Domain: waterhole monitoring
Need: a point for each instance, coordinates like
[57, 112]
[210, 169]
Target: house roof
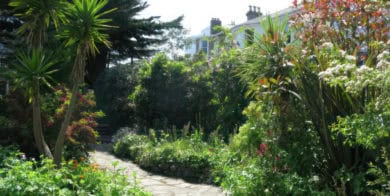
[282, 13]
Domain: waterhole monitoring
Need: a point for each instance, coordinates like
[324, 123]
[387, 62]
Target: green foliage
[188, 157]
[81, 133]
[112, 89]
[251, 176]
[250, 134]
[134, 36]
[381, 173]
[22, 176]
[37, 16]
[167, 94]
[228, 92]
[175, 93]
[84, 25]
[31, 69]
[370, 129]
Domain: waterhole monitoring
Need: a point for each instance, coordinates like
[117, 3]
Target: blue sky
[198, 13]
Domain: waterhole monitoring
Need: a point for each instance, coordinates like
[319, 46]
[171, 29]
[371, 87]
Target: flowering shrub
[81, 131]
[343, 72]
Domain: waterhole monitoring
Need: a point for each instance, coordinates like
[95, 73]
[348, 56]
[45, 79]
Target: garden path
[157, 185]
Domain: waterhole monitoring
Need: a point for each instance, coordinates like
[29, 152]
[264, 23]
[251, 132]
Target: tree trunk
[43, 148]
[61, 135]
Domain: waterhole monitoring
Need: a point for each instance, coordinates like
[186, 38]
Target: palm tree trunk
[61, 135]
[43, 148]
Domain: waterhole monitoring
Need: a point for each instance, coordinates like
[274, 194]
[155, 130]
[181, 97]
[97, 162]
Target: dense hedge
[185, 158]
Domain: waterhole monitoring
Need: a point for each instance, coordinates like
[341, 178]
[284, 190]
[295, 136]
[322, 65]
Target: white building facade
[243, 33]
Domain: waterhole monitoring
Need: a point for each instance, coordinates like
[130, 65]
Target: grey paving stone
[157, 185]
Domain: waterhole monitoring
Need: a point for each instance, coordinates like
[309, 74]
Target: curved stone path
[157, 185]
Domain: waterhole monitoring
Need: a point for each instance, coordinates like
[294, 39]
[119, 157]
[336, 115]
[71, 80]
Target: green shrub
[189, 157]
[112, 88]
[22, 176]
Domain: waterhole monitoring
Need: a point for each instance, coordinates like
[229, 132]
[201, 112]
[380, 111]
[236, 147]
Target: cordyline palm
[83, 28]
[37, 16]
[29, 71]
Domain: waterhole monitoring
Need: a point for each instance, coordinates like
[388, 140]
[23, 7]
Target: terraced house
[243, 33]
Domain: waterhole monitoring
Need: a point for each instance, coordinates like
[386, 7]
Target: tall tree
[134, 38]
[83, 29]
[37, 16]
[30, 71]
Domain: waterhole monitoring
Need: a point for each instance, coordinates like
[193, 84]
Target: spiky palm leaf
[31, 69]
[84, 27]
[37, 16]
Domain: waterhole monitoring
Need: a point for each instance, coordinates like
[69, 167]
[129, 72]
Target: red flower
[277, 157]
[49, 123]
[262, 150]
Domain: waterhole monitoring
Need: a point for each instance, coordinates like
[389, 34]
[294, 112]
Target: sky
[198, 13]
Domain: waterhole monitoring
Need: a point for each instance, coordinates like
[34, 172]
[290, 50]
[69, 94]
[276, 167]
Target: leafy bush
[162, 95]
[112, 89]
[22, 176]
[189, 158]
[250, 176]
[81, 131]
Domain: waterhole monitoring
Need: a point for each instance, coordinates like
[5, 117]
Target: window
[204, 46]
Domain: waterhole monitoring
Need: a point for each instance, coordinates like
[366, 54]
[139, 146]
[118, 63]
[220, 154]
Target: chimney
[253, 12]
[213, 23]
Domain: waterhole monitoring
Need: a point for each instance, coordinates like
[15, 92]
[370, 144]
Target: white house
[243, 33]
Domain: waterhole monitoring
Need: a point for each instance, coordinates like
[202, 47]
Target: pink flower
[262, 150]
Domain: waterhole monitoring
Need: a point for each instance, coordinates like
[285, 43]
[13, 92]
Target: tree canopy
[133, 37]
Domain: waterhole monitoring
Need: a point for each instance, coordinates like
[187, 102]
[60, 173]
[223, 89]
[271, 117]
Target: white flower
[383, 64]
[327, 45]
[338, 69]
[383, 55]
[325, 74]
[342, 52]
[343, 78]
[350, 58]
[349, 67]
[369, 8]
[363, 69]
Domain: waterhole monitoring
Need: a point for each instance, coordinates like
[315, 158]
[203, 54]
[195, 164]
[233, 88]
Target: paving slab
[156, 184]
